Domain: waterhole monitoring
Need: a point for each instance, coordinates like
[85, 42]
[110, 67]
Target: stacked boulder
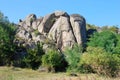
[63, 29]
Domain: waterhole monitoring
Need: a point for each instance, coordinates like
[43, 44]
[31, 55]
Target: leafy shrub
[53, 60]
[33, 57]
[72, 56]
[7, 48]
[105, 39]
[116, 50]
[99, 61]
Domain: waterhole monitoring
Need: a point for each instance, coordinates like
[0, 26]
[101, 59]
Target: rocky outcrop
[62, 29]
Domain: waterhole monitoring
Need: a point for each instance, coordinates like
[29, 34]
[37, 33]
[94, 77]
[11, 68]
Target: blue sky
[98, 12]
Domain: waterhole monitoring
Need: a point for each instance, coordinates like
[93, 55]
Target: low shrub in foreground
[97, 60]
[72, 57]
[53, 60]
[33, 57]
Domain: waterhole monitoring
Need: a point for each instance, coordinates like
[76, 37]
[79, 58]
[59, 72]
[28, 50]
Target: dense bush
[97, 60]
[7, 48]
[105, 39]
[33, 57]
[116, 49]
[53, 60]
[72, 56]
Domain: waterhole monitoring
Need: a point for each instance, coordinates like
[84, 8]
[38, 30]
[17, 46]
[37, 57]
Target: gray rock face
[60, 28]
[61, 13]
[46, 23]
[78, 24]
[29, 19]
[61, 32]
[36, 23]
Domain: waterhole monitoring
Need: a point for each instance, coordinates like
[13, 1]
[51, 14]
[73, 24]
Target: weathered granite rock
[57, 28]
[36, 23]
[60, 13]
[78, 24]
[29, 19]
[61, 33]
[46, 23]
[23, 35]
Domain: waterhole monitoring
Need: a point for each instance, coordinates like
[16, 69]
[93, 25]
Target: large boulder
[49, 20]
[61, 33]
[60, 13]
[29, 19]
[28, 22]
[22, 34]
[36, 23]
[46, 23]
[79, 28]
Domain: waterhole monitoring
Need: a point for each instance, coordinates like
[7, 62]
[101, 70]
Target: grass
[10, 73]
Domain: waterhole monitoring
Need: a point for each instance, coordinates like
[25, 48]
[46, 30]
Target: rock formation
[62, 29]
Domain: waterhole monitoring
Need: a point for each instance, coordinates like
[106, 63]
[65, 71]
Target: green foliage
[52, 60]
[72, 56]
[7, 48]
[117, 48]
[33, 57]
[113, 29]
[105, 39]
[97, 60]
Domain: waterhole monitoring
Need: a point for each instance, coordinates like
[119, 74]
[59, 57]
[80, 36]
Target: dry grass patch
[10, 73]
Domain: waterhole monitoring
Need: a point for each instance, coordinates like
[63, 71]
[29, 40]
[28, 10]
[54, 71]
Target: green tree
[33, 57]
[7, 48]
[116, 50]
[105, 39]
[53, 60]
[72, 56]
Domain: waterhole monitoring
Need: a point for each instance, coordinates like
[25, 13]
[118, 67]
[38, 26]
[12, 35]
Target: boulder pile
[62, 29]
